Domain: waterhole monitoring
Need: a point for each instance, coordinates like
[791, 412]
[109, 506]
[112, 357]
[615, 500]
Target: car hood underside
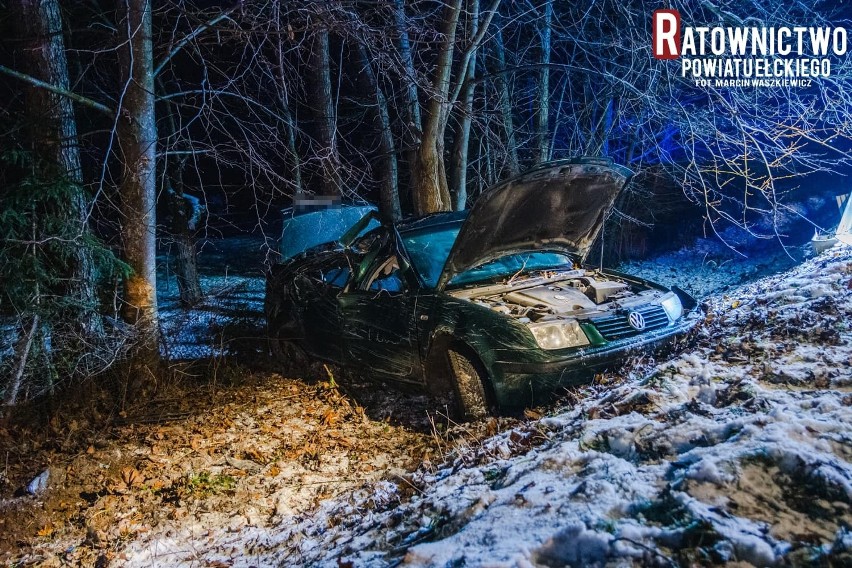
[558, 207]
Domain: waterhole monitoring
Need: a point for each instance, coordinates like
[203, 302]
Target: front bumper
[524, 383]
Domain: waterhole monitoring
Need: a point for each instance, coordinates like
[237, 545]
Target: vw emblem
[636, 321]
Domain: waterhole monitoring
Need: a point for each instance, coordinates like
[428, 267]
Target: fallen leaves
[532, 414]
[128, 479]
[329, 417]
[255, 455]
[132, 476]
[281, 447]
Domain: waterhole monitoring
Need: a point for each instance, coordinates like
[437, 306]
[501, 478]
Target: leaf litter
[734, 450]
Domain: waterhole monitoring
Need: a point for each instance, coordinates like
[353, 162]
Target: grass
[200, 486]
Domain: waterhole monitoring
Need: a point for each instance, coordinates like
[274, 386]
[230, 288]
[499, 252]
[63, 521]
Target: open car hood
[560, 206]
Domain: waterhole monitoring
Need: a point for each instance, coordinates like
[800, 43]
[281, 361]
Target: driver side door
[379, 319]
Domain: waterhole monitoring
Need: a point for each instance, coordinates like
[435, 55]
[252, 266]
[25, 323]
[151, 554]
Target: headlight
[559, 335]
[671, 303]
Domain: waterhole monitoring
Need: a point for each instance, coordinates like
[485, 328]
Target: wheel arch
[439, 377]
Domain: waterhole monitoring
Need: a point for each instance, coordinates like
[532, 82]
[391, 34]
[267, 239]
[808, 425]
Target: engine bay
[554, 295]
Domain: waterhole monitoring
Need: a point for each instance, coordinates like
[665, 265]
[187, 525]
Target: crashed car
[495, 303]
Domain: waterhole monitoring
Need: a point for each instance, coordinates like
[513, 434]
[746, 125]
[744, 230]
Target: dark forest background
[124, 125]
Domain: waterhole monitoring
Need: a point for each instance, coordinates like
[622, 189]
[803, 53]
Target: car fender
[479, 330]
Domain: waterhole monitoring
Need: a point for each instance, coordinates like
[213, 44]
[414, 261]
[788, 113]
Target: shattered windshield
[429, 250]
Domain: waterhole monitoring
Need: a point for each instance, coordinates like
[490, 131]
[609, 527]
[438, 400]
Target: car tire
[469, 386]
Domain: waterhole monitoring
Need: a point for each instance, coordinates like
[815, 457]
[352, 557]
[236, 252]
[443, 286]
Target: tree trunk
[388, 189]
[184, 212]
[186, 257]
[54, 135]
[543, 111]
[599, 132]
[413, 131]
[137, 137]
[286, 111]
[322, 106]
[462, 142]
[609, 116]
[429, 178]
[292, 152]
[513, 165]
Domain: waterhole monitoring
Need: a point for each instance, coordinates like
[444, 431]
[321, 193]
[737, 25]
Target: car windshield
[430, 248]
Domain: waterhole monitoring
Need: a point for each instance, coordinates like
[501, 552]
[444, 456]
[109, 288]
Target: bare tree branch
[58, 90]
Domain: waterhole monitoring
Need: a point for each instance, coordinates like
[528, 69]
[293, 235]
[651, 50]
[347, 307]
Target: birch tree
[321, 104]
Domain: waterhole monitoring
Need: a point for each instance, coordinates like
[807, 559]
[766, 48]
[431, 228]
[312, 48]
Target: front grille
[616, 326]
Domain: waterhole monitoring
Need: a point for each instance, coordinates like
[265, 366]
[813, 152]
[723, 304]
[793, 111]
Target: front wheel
[469, 385]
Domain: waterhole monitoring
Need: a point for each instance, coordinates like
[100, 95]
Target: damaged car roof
[307, 230]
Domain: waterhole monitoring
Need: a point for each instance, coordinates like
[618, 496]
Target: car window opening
[337, 277]
[387, 277]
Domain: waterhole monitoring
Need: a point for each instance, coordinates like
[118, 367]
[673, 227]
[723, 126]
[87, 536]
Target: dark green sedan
[494, 303]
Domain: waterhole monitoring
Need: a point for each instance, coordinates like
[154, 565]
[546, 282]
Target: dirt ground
[228, 442]
[248, 449]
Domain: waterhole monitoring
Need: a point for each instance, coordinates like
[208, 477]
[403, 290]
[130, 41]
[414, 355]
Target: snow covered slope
[738, 449]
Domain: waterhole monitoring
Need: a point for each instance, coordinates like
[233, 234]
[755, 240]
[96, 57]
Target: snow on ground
[231, 314]
[708, 266]
[232, 306]
[738, 449]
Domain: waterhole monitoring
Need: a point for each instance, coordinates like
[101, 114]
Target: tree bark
[186, 257]
[292, 151]
[137, 138]
[388, 189]
[54, 136]
[462, 142]
[543, 111]
[184, 212]
[413, 130]
[322, 106]
[513, 165]
[22, 353]
[286, 111]
[429, 178]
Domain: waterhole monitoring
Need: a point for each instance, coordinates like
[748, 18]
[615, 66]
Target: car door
[313, 320]
[379, 319]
